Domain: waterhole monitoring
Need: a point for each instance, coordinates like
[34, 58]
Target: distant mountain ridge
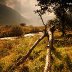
[9, 16]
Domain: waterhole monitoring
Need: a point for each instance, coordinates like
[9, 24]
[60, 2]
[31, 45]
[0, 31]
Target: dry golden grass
[11, 51]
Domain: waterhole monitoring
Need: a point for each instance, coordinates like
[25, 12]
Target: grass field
[12, 50]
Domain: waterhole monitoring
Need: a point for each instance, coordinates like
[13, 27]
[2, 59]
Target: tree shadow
[68, 35]
[56, 54]
[64, 66]
[64, 42]
[68, 62]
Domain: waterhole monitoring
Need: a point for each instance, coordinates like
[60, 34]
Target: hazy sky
[26, 9]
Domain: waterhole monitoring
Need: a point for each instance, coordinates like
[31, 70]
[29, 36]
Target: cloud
[26, 8]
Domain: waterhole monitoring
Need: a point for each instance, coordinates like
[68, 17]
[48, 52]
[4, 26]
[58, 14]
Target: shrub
[16, 31]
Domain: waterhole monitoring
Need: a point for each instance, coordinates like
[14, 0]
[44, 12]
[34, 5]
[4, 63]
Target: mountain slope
[9, 16]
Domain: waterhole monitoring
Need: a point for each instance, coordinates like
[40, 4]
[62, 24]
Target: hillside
[9, 16]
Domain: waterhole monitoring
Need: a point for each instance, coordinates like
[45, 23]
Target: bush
[13, 31]
[16, 31]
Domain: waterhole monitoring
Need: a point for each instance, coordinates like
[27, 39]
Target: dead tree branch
[40, 14]
[24, 58]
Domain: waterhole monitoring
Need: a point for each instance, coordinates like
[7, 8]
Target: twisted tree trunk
[48, 61]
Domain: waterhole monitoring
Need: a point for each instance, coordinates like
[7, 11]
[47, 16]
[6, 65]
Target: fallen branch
[24, 58]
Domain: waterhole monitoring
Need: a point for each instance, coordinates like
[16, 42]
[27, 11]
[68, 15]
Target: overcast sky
[26, 9]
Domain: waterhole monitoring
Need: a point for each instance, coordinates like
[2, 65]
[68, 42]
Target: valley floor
[12, 50]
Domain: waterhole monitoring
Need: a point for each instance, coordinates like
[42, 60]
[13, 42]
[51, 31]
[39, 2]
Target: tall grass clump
[16, 31]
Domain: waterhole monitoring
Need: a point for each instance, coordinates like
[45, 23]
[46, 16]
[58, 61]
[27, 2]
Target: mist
[26, 9]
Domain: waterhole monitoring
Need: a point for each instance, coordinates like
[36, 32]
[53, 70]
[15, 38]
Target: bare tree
[48, 32]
